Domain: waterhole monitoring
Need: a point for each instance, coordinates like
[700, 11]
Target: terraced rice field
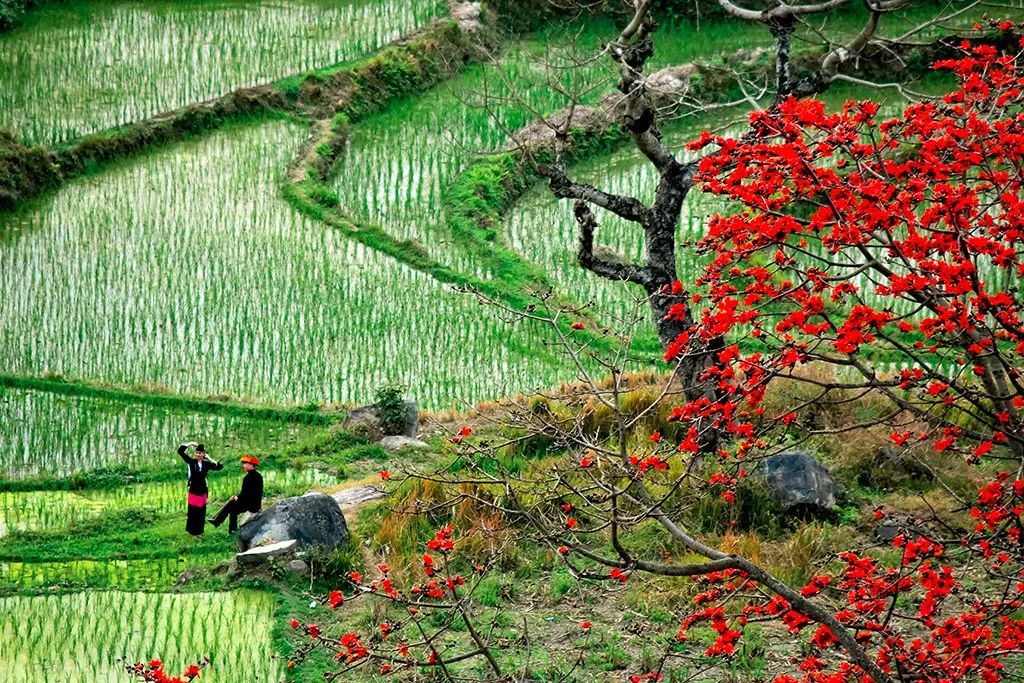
[412, 151]
[92, 64]
[83, 637]
[121, 575]
[57, 435]
[190, 272]
[409, 153]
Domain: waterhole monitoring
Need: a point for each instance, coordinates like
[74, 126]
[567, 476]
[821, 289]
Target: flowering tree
[885, 249]
[640, 110]
[859, 241]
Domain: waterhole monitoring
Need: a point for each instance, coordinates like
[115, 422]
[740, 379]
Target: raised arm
[183, 453]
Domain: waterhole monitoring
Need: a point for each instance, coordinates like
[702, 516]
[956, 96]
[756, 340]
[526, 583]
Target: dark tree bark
[637, 115]
[658, 271]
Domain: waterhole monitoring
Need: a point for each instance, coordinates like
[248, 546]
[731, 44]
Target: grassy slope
[529, 583]
[529, 593]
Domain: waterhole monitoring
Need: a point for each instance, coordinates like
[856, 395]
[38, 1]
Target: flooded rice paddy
[88, 65]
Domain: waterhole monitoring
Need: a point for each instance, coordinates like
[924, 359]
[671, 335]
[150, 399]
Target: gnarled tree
[638, 112]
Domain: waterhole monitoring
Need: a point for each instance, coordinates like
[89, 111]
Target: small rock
[297, 567]
[797, 480]
[229, 568]
[187, 576]
[365, 423]
[395, 443]
[261, 553]
[892, 526]
[890, 467]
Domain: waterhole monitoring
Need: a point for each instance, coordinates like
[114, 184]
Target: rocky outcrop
[797, 481]
[892, 468]
[469, 16]
[357, 495]
[314, 519]
[365, 421]
[666, 88]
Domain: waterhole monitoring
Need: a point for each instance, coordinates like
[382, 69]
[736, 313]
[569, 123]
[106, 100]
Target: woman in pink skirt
[198, 491]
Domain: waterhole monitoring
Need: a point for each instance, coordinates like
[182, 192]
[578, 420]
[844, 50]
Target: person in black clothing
[249, 499]
[198, 491]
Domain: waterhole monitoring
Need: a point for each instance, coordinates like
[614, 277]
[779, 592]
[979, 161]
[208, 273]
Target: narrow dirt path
[354, 497]
[318, 133]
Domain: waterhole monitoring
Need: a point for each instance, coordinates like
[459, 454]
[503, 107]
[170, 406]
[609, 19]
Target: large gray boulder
[313, 520]
[365, 422]
[797, 481]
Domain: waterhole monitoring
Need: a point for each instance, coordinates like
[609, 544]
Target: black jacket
[250, 498]
[197, 472]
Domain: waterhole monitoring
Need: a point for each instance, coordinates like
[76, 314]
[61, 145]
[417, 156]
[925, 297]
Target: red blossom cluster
[951, 642]
[441, 590]
[461, 436]
[861, 235]
[154, 672]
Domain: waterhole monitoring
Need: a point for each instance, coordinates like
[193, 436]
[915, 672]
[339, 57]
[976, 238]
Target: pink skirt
[196, 500]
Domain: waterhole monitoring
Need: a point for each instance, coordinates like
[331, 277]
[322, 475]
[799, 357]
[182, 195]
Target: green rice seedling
[88, 65]
[85, 636]
[407, 155]
[148, 574]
